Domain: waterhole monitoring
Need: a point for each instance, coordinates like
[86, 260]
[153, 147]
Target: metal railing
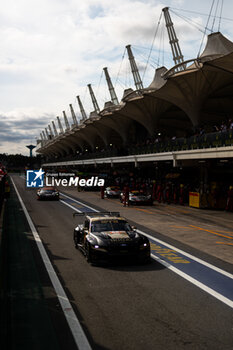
[210, 140]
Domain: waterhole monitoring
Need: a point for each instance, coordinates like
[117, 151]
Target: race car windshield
[47, 191]
[115, 225]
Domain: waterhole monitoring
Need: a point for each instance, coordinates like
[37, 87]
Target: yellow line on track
[213, 232]
[189, 228]
[145, 210]
[224, 243]
[229, 233]
[176, 209]
[155, 210]
[131, 207]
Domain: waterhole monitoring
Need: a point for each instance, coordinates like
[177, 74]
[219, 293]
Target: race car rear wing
[99, 213]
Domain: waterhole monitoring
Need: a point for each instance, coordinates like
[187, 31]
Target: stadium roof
[177, 101]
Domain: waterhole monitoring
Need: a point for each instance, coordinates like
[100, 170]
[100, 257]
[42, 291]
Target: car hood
[139, 197]
[116, 235]
[47, 193]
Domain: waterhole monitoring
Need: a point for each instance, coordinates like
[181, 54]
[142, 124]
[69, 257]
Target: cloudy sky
[51, 49]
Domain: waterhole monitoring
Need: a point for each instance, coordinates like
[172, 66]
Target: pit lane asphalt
[128, 306]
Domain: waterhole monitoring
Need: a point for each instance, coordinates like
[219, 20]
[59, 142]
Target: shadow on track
[132, 266]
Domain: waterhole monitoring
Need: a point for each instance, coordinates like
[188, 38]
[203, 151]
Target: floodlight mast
[93, 98]
[60, 125]
[134, 69]
[44, 136]
[111, 89]
[82, 110]
[66, 121]
[50, 130]
[75, 122]
[174, 42]
[47, 134]
[55, 129]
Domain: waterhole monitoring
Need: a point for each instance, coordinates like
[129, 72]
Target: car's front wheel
[88, 253]
[75, 240]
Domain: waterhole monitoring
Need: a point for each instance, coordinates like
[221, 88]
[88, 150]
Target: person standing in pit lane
[159, 193]
[154, 190]
[181, 196]
[229, 206]
[7, 189]
[168, 193]
[102, 192]
[126, 195]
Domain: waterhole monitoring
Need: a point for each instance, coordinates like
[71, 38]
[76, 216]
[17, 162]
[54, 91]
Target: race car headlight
[144, 246]
[99, 248]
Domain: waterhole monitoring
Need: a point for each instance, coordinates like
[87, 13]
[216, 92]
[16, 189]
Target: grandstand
[175, 104]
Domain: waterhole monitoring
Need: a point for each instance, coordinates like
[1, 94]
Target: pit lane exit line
[207, 277]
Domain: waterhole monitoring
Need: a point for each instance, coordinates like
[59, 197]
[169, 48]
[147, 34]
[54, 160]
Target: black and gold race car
[106, 235]
[48, 193]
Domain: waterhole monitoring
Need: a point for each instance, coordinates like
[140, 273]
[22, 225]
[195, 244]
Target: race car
[137, 197]
[48, 193]
[112, 192]
[106, 235]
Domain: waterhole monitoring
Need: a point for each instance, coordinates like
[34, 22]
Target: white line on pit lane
[70, 206]
[194, 281]
[217, 269]
[174, 269]
[75, 327]
[75, 200]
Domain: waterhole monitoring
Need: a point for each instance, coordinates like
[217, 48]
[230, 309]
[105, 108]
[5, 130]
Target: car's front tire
[75, 240]
[88, 253]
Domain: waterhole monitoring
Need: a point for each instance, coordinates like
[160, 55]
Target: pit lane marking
[70, 206]
[76, 201]
[174, 226]
[224, 243]
[76, 205]
[176, 209]
[169, 254]
[190, 227]
[227, 232]
[155, 210]
[144, 210]
[194, 281]
[210, 231]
